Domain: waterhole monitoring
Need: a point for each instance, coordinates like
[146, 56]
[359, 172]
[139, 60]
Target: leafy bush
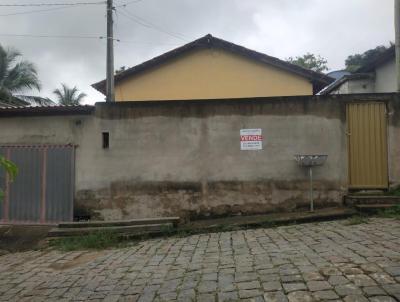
[10, 168]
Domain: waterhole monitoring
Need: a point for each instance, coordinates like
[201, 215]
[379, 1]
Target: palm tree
[15, 77]
[69, 96]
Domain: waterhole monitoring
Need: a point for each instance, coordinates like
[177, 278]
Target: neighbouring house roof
[45, 110]
[331, 87]
[337, 74]
[208, 41]
[14, 103]
[363, 72]
[386, 56]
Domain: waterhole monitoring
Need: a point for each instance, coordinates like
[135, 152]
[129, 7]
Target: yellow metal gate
[367, 145]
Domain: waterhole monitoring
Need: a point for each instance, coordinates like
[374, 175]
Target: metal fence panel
[59, 184]
[43, 189]
[367, 145]
[25, 191]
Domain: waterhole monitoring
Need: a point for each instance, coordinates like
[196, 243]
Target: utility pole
[110, 53]
[397, 40]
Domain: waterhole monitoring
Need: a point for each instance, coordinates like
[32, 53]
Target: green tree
[68, 96]
[310, 61]
[354, 62]
[17, 76]
[10, 168]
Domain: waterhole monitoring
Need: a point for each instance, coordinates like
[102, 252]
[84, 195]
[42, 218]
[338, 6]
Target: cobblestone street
[308, 262]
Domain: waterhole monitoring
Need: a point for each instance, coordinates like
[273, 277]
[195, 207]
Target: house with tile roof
[212, 68]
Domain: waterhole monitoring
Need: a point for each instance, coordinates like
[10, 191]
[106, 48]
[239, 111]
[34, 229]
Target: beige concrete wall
[184, 158]
[386, 77]
[356, 86]
[211, 74]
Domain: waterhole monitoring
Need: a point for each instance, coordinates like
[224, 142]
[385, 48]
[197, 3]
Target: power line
[36, 11]
[53, 4]
[147, 24]
[82, 37]
[128, 3]
[59, 8]
[51, 36]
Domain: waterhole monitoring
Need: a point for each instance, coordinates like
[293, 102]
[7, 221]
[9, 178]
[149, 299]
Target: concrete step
[132, 222]
[120, 230]
[371, 208]
[352, 200]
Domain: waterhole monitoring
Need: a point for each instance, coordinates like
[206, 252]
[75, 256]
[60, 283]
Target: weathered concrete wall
[356, 86]
[184, 158]
[385, 78]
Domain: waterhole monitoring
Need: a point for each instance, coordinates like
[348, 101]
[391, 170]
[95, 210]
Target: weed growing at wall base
[97, 240]
[393, 212]
[357, 219]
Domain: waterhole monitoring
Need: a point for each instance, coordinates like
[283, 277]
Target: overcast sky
[281, 28]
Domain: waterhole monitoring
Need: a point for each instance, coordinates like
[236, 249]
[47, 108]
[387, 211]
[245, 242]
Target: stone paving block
[301, 296]
[240, 277]
[338, 280]
[361, 280]
[318, 285]
[393, 271]
[392, 288]
[313, 276]
[205, 298]
[373, 291]
[277, 296]
[382, 278]
[249, 293]
[331, 271]
[382, 299]
[347, 289]
[271, 277]
[248, 285]
[272, 286]
[291, 278]
[207, 286]
[133, 298]
[228, 296]
[326, 295]
[355, 298]
[187, 295]
[290, 287]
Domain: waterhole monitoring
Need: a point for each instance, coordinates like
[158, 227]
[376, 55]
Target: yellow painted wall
[209, 74]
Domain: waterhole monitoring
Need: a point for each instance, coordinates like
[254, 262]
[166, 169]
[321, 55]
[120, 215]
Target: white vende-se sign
[251, 139]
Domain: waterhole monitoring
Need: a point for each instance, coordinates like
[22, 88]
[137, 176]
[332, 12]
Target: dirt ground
[22, 238]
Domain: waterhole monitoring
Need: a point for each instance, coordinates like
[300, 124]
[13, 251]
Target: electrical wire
[147, 24]
[128, 3]
[59, 8]
[53, 4]
[51, 36]
[36, 11]
[82, 37]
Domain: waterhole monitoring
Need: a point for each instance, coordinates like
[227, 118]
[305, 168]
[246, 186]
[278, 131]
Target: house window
[106, 140]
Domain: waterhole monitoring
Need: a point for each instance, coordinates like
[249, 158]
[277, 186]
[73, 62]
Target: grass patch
[393, 212]
[356, 219]
[394, 192]
[93, 241]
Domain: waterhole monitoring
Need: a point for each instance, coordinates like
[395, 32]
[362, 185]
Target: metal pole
[110, 53]
[397, 40]
[311, 192]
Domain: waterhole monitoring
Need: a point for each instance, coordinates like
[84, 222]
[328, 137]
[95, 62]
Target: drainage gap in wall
[106, 140]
